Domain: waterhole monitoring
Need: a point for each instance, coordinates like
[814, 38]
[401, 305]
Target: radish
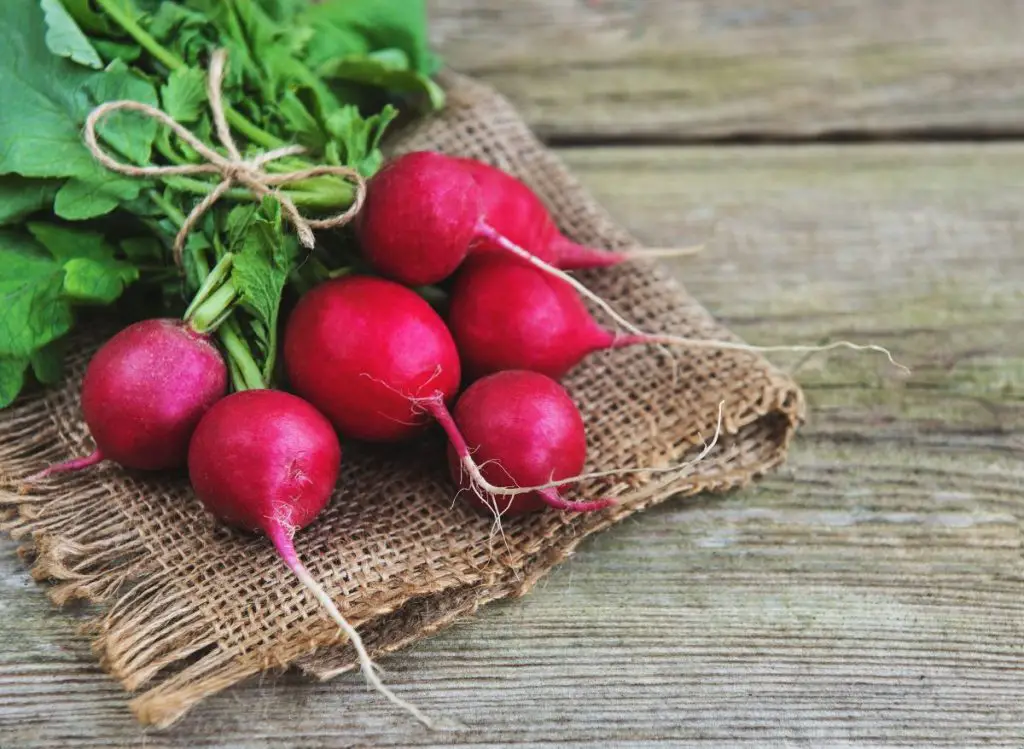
[370, 354]
[379, 362]
[521, 428]
[507, 315]
[420, 216]
[143, 393]
[267, 461]
[516, 212]
[424, 213]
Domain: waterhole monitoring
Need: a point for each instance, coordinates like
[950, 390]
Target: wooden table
[855, 169]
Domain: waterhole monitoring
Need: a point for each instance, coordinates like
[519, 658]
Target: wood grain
[599, 69]
[869, 594]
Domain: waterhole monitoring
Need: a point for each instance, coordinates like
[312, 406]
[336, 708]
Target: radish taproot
[515, 211]
[522, 429]
[143, 393]
[507, 315]
[267, 461]
[422, 216]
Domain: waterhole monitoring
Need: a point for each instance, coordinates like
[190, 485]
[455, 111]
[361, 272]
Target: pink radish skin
[523, 429]
[515, 211]
[143, 393]
[506, 315]
[420, 217]
[373, 356]
[266, 461]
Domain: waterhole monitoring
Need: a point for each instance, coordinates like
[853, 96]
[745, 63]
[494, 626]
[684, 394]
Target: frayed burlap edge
[155, 633]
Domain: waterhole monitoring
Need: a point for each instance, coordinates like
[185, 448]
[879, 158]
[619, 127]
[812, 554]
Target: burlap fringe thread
[189, 608]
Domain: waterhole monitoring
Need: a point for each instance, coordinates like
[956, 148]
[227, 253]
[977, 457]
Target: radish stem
[239, 355]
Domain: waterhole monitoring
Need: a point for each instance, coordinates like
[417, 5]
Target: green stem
[339, 196]
[167, 207]
[213, 281]
[209, 315]
[139, 34]
[237, 382]
[202, 267]
[238, 352]
[253, 132]
[163, 145]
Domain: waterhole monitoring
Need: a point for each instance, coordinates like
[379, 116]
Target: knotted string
[232, 168]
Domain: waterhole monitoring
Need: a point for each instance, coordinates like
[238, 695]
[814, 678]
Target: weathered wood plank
[871, 593]
[703, 68]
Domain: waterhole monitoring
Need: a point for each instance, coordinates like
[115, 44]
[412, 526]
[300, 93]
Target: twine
[232, 168]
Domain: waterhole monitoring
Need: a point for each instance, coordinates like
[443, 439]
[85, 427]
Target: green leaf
[12, 378]
[382, 72]
[48, 362]
[260, 271]
[92, 273]
[66, 242]
[87, 18]
[344, 27]
[95, 195]
[20, 197]
[44, 97]
[298, 120]
[144, 251]
[46, 100]
[359, 138]
[64, 38]
[96, 282]
[184, 94]
[32, 312]
[184, 31]
[117, 50]
[129, 133]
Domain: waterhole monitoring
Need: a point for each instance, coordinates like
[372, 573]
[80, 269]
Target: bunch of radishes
[367, 358]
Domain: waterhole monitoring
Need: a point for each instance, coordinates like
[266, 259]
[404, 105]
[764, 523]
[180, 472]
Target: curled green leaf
[65, 38]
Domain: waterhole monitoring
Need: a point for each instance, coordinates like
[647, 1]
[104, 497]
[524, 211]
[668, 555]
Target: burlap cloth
[187, 608]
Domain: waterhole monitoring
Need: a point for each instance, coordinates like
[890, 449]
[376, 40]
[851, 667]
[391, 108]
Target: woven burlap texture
[188, 608]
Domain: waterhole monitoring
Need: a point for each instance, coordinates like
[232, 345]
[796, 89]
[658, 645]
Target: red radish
[264, 460]
[507, 315]
[523, 429]
[379, 362]
[516, 212]
[143, 393]
[423, 214]
[419, 218]
[267, 461]
[369, 353]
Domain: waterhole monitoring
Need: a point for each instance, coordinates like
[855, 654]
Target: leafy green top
[330, 76]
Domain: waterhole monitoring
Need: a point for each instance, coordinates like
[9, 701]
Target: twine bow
[233, 168]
